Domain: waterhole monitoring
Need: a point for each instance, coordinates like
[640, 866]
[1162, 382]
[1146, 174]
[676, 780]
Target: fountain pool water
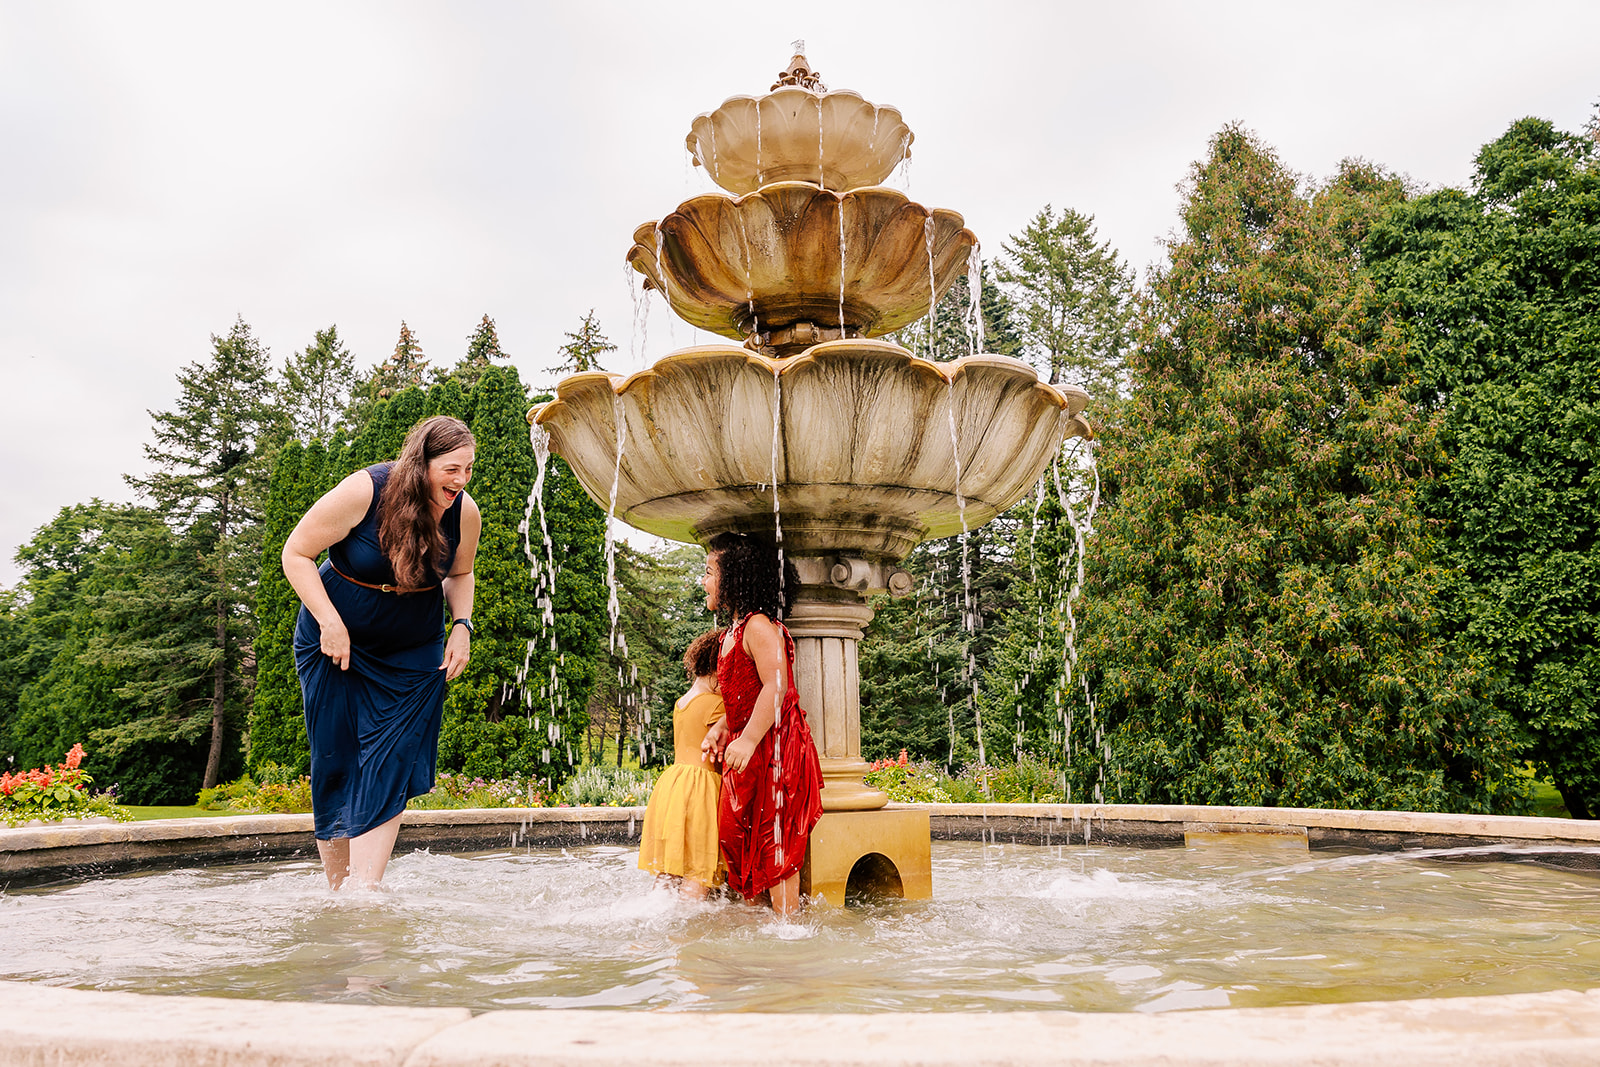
[1012, 928]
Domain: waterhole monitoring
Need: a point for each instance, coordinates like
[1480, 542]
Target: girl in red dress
[771, 778]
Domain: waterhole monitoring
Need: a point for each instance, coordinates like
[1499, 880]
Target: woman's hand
[336, 642]
[457, 651]
[738, 754]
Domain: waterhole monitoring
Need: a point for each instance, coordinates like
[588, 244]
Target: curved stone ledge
[47, 1025]
[31, 856]
[41, 855]
[1572, 843]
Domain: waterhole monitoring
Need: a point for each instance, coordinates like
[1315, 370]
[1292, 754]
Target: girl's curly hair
[750, 578]
[700, 659]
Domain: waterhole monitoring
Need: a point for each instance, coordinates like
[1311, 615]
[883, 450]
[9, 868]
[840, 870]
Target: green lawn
[1546, 801]
[142, 812]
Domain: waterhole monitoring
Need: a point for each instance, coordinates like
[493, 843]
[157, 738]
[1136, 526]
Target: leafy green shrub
[278, 791]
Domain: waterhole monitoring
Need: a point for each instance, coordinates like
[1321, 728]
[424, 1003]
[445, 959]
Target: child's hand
[739, 751]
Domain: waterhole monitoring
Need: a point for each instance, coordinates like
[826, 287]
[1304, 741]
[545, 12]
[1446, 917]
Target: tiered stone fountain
[851, 449]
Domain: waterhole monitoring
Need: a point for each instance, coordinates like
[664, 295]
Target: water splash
[778, 724]
[822, 174]
[1079, 498]
[639, 338]
[841, 266]
[933, 303]
[975, 300]
[613, 605]
[716, 163]
[543, 571]
[969, 621]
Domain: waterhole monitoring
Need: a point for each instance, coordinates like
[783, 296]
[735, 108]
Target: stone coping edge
[49, 1025]
[43, 855]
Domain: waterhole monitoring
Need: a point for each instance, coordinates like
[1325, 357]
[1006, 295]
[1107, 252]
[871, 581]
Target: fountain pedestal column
[859, 846]
[827, 625]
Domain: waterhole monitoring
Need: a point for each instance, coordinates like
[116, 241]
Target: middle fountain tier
[848, 450]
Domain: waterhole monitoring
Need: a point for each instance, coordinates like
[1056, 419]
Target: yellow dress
[680, 825]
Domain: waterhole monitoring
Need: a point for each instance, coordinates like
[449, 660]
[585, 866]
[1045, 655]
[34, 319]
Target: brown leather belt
[384, 588]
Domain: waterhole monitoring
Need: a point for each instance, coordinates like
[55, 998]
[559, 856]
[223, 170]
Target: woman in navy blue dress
[372, 646]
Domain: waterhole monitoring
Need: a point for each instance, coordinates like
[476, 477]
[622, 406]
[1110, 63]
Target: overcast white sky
[166, 167]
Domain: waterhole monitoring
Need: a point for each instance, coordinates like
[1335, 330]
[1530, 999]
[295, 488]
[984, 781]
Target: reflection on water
[1011, 928]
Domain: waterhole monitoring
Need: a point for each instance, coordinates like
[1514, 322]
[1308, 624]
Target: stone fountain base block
[883, 853]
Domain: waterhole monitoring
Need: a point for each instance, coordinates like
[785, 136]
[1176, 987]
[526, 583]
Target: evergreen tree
[450, 398]
[118, 640]
[483, 350]
[922, 655]
[277, 721]
[316, 387]
[209, 481]
[584, 348]
[1261, 613]
[1074, 299]
[1500, 288]
[404, 369]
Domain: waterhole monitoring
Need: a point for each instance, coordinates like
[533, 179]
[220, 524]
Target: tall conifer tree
[1260, 615]
[1073, 296]
[316, 386]
[209, 480]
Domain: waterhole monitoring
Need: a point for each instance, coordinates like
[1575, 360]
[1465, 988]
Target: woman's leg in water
[369, 853]
[335, 860]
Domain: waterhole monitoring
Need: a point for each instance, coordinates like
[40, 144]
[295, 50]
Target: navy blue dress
[373, 729]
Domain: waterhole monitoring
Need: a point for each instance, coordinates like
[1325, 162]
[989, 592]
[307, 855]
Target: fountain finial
[799, 72]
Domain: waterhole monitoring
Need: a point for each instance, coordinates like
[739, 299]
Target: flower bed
[50, 794]
[1028, 781]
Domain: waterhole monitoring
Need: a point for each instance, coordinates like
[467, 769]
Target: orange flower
[75, 757]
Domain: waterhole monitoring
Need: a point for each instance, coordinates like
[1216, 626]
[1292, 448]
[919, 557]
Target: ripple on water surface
[1010, 928]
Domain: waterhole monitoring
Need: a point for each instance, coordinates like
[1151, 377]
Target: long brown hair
[407, 530]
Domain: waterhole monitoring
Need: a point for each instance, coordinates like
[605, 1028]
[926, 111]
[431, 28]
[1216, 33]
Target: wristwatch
[463, 622]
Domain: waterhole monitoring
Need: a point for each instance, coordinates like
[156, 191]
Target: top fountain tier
[799, 132]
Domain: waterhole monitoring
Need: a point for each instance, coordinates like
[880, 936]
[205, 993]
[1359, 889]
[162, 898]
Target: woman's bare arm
[327, 522]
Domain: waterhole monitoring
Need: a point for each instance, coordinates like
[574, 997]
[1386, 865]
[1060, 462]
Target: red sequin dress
[769, 808]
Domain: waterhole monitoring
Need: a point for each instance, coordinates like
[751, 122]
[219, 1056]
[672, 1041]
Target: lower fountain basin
[1256, 922]
[1064, 935]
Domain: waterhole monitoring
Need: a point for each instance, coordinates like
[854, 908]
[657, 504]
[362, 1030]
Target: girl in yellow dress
[679, 839]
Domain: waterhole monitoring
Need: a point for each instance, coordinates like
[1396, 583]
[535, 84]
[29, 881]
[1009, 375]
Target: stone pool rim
[47, 1024]
[43, 855]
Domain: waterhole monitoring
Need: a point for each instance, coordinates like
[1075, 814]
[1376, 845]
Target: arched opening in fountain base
[882, 853]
